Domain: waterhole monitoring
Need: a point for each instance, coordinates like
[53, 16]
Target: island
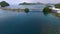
[25, 3]
[4, 4]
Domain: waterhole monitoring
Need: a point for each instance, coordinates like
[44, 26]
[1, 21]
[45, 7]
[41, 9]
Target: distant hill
[30, 3]
[57, 5]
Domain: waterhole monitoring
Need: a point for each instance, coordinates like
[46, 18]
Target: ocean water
[33, 22]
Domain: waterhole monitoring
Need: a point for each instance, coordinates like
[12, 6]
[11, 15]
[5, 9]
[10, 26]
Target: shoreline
[18, 9]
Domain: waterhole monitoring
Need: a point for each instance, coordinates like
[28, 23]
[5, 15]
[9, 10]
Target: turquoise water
[33, 22]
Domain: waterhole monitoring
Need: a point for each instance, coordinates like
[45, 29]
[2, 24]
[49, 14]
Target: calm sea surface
[33, 22]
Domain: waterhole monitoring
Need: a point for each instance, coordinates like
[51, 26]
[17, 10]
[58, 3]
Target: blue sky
[20, 1]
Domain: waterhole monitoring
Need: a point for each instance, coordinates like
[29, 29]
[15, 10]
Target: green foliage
[26, 10]
[57, 5]
[3, 4]
[46, 10]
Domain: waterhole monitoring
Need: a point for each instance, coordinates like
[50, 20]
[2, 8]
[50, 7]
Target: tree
[26, 10]
[46, 10]
[3, 4]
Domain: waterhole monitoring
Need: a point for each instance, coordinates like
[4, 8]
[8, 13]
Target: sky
[33, 1]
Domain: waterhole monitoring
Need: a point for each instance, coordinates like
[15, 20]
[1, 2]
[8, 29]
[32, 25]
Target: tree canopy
[3, 4]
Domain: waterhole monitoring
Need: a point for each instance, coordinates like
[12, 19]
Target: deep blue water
[33, 22]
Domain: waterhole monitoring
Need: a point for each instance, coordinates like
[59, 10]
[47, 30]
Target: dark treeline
[25, 3]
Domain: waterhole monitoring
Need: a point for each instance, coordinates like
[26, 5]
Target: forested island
[4, 4]
[25, 3]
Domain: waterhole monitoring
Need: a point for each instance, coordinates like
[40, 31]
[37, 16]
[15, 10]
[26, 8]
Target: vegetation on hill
[25, 3]
[3, 4]
[57, 5]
